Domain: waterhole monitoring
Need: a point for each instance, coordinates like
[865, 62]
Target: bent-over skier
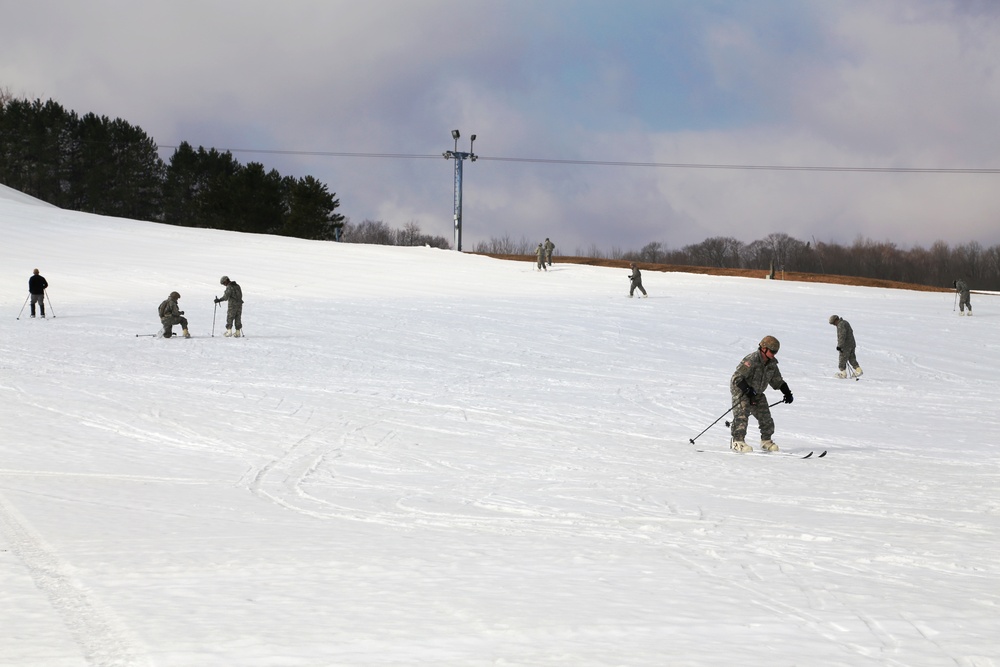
[846, 346]
[171, 314]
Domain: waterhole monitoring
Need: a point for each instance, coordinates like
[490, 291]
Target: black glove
[787, 392]
[747, 390]
[838, 348]
[182, 312]
[217, 301]
[630, 277]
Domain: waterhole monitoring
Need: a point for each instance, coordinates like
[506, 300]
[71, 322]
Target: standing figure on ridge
[963, 300]
[171, 314]
[755, 373]
[846, 346]
[234, 313]
[636, 279]
[36, 287]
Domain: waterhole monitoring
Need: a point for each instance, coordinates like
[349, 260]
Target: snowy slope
[419, 457]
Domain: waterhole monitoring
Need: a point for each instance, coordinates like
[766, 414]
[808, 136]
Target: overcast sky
[792, 83]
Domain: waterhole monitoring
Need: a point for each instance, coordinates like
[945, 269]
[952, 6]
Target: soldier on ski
[636, 279]
[846, 346]
[963, 300]
[36, 287]
[549, 247]
[234, 313]
[757, 372]
[171, 314]
[540, 254]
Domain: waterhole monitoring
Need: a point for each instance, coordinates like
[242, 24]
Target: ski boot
[768, 445]
[740, 446]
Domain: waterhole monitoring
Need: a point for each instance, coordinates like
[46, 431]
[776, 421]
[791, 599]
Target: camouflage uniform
[549, 247]
[963, 301]
[540, 252]
[846, 344]
[759, 374]
[171, 314]
[636, 279]
[234, 312]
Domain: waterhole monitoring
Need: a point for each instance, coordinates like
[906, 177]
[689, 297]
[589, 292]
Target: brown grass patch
[744, 273]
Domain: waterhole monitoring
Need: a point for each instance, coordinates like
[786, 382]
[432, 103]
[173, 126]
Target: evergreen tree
[258, 199]
[311, 211]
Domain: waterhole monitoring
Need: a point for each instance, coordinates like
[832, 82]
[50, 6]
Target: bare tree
[719, 251]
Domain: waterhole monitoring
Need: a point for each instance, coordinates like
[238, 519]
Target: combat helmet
[224, 280]
[834, 319]
[770, 343]
[175, 295]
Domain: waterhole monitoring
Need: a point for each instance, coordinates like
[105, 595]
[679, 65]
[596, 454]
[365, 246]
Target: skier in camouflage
[964, 302]
[171, 314]
[755, 373]
[846, 346]
[234, 313]
[636, 283]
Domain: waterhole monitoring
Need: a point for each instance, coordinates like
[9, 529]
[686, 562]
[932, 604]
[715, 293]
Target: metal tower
[459, 158]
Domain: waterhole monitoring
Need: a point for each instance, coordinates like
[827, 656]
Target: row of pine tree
[110, 167]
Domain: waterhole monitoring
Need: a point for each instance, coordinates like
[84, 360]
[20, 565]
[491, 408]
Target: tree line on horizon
[938, 266]
[93, 164]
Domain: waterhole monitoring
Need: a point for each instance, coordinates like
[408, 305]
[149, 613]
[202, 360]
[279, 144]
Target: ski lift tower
[459, 157]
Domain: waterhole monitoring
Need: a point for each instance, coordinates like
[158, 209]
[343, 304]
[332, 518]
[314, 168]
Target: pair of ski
[787, 455]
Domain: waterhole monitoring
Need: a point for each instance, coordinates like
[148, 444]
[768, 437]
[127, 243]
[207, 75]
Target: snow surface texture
[423, 457]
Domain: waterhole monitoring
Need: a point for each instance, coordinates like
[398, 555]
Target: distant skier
[234, 313]
[636, 279]
[36, 287]
[171, 314]
[963, 300]
[846, 346]
[540, 254]
[755, 373]
[549, 247]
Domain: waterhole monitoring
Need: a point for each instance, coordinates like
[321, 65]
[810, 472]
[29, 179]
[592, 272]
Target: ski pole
[23, 305]
[691, 440]
[51, 309]
[771, 405]
[954, 304]
[146, 335]
[213, 316]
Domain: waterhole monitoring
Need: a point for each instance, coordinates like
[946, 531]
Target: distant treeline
[939, 266]
[93, 164]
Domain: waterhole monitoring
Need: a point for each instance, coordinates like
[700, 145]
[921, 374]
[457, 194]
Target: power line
[615, 163]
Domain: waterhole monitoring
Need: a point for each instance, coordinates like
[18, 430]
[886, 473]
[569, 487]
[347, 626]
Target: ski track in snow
[103, 639]
[485, 470]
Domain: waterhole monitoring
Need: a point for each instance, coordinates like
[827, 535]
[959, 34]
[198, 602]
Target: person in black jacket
[36, 286]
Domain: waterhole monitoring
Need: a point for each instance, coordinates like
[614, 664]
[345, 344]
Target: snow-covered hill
[423, 457]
